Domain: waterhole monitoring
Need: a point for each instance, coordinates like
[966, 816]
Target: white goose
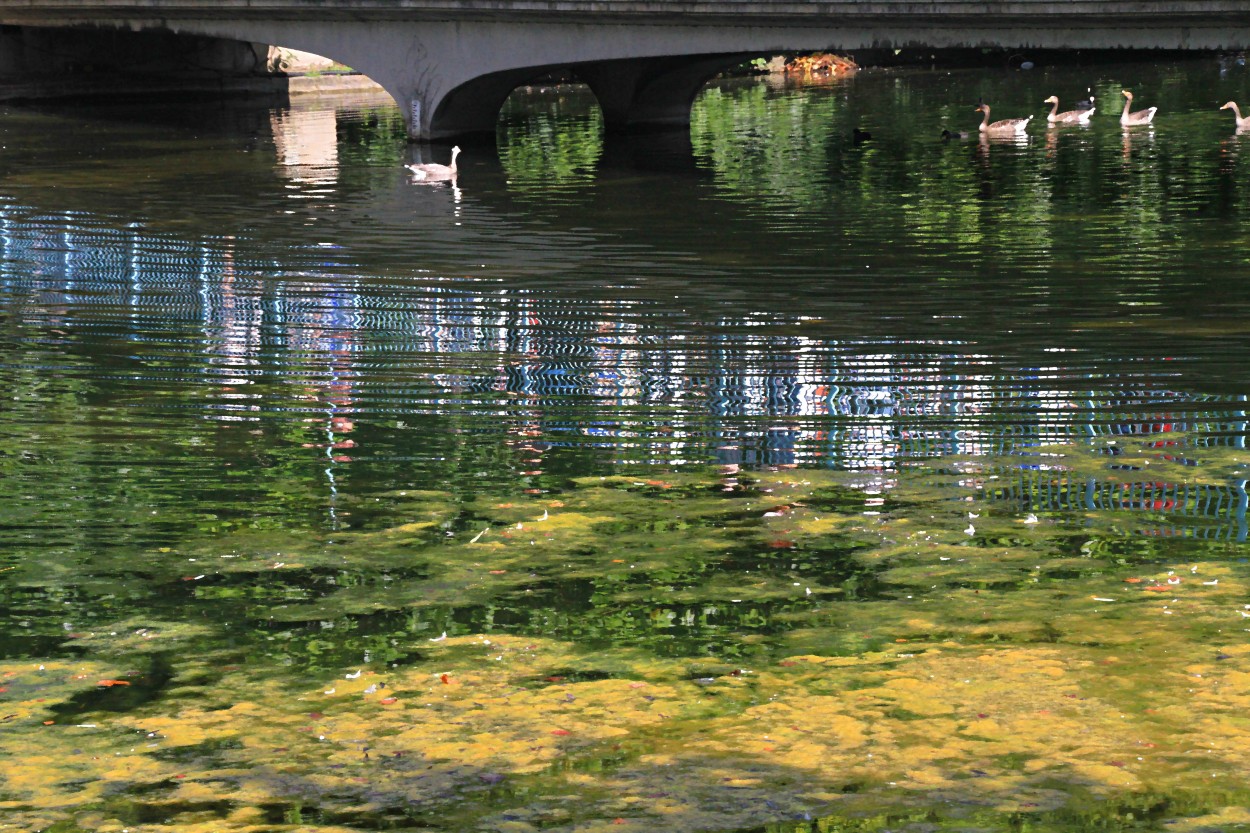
[1133, 119]
[1067, 117]
[1242, 124]
[434, 172]
[1003, 127]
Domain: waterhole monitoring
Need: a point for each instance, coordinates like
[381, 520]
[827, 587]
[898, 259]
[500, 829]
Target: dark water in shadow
[234, 332]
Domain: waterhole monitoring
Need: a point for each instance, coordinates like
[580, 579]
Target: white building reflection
[306, 144]
[550, 370]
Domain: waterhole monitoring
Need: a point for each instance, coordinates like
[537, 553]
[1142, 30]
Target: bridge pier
[650, 92]
[632, 93]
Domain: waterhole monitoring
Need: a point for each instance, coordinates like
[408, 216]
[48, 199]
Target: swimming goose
[1004, 127]
[1242, 124]
[435, 172]
[1140, 117]
[1068, 117]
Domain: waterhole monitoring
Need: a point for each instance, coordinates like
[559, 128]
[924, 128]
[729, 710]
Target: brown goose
[1242, 124]
[435, 172]
[1003, 127]
[1068, 117]
[1140, 117]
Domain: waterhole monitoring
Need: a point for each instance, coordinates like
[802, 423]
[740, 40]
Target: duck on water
[1242, 124]
[1002, 127]
[433, 172]
[1077, 116]
[1138, 118]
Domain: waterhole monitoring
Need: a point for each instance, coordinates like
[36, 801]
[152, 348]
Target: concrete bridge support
[651, 92]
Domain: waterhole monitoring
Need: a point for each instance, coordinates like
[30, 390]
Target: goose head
[1232, 105]
[1126, 94]
[1054, 99]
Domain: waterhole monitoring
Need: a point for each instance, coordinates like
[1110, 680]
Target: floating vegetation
[787, 649]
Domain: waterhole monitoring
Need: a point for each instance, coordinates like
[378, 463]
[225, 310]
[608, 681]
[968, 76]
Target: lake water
[759, 477]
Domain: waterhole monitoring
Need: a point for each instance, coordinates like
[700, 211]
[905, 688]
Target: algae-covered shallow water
[755, 479]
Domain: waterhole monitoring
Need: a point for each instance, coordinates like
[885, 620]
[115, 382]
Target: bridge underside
[451, 70]
[88, 60]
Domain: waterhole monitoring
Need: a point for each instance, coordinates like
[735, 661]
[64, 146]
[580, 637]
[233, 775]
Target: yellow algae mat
[784, 651]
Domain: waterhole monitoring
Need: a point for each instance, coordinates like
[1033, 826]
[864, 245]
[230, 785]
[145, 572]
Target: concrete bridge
[450, 64]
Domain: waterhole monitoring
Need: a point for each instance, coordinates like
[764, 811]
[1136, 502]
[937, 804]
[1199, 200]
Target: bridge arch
[447, 62]
[632, 93]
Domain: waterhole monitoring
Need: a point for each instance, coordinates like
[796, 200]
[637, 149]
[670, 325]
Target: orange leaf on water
[560, 732]
[111, 683]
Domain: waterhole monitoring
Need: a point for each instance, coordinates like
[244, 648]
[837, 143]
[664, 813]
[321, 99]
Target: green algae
[796, 650]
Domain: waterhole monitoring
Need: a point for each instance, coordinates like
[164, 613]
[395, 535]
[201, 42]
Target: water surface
[753, 477]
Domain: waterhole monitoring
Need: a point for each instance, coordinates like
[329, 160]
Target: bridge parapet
[1060, 13]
